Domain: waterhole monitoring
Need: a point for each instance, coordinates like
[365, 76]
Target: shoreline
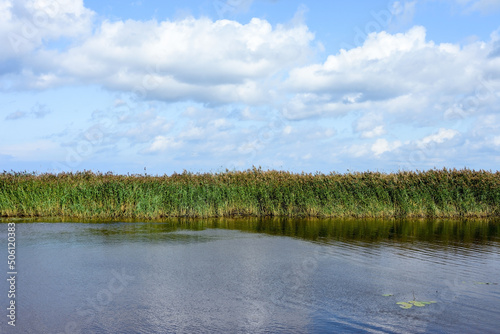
[236, 216]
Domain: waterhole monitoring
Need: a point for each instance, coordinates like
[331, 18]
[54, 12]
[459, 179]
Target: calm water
[255, 276]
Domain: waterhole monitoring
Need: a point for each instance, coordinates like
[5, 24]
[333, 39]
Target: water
[255, 276]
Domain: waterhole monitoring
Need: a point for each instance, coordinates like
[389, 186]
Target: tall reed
[254, 192]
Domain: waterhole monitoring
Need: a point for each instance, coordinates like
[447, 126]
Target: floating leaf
[411, 303]
[388, 295]
[404, 305]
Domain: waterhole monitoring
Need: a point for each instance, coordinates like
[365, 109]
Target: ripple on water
[257, 276]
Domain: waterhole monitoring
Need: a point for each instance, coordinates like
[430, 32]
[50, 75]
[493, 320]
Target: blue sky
[214, 84]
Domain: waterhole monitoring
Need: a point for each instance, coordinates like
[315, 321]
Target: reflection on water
[468, 231]
[257, 275]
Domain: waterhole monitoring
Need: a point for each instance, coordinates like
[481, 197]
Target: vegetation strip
[434, 193]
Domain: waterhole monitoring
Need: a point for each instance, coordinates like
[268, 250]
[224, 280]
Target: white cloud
[341, 72]
[382, 145]
[370, 125]
[220, 124]
[357, 150]
[193, 132]
[27, 24]
[376, 132]
[305, 105]
[191, 59]
[400, 73]
[162, 144]
[441, 136]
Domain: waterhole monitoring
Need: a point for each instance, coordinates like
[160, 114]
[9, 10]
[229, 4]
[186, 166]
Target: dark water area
[255, 276]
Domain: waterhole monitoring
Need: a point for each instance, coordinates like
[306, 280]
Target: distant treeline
[433, 193]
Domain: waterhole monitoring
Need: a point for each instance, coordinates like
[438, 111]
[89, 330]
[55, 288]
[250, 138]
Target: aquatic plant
[411, 303]
[254, 192]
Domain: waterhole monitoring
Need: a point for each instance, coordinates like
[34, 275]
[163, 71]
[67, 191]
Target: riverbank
[434, 193]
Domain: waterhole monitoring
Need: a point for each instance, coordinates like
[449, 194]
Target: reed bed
[254, 192]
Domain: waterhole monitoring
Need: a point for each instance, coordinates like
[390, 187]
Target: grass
[433, 193]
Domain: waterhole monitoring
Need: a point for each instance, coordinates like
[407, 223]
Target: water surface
[256, 276]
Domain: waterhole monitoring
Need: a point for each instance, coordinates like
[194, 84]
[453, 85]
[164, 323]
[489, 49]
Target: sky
[136, 86]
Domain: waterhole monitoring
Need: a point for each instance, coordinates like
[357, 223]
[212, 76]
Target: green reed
[255, 192]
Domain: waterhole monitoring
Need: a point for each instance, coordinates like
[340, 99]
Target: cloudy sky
[213, 84]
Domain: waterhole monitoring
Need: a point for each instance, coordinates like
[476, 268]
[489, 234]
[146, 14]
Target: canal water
[255, 276]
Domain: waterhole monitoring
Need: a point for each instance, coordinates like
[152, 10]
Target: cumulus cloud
[398, 73]
[441, 136]
[162, 144]
[191, 59]
[424, 151]
[382, 145]
[218, 62]
[370, 125]
[27, 24]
